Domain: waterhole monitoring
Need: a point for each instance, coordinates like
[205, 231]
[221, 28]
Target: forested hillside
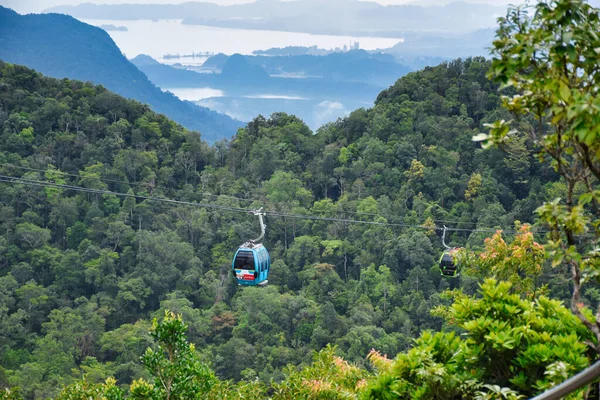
[63, 47]
[83, 272]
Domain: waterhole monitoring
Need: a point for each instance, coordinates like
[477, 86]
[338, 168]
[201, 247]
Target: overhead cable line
[353, 221]
[31, 182]
[145, 185]
[216, 196]
[139, 184]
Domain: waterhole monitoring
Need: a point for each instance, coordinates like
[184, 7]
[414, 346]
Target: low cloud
[327, 111]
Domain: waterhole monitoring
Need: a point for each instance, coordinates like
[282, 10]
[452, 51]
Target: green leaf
[586, 198]
[565, 92]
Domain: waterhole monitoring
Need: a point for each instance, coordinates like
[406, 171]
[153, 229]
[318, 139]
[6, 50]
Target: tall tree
[546, 57]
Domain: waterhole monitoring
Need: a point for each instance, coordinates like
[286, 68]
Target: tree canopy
[83, 272]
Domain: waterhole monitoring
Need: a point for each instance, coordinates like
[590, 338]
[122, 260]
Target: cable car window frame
[259, 256]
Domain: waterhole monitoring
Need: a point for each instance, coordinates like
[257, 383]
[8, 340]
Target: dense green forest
[84, 272]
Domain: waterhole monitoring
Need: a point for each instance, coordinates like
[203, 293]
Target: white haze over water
[171, 37]
[195, 94]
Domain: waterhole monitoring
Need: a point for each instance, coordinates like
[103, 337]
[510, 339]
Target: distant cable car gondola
[251, 262]
[449, 267]
[448, 264]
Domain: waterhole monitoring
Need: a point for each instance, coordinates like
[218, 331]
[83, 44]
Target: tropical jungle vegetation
[118, 227]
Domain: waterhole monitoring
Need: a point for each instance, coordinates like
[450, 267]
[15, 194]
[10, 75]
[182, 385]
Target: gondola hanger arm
[444, 238]
[260, 213]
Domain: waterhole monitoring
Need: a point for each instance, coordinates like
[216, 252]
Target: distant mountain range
[338, 76]
[447, 46]
[63, 47]
[247, 88]
[351, 66]
[335, 17]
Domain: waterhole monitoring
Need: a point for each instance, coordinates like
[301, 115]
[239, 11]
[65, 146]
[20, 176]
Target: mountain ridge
[255, 80]
[60, 46]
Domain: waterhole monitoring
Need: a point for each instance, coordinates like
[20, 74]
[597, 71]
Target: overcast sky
[27, 6]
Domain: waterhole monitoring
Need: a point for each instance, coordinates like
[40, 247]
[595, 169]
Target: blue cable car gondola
[251, 263]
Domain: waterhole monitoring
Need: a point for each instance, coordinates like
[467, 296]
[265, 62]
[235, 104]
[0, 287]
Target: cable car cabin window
[244, 260]
[448, 262]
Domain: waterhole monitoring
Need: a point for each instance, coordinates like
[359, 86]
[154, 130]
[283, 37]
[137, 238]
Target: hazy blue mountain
[143, 59]
[217, 61]
[111, 27]
[374, 68]
[447, 46]
[238, 68]
[275, 55]
[248, 89]
[245, 76]
[63, 47]
[352, 66]
[336, 17]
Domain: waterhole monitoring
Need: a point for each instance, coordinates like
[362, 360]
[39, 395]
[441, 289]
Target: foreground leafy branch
[550, 55]
[513, 347]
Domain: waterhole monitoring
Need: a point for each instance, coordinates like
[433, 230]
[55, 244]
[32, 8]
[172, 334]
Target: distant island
[299, 51]
[193, 55]
[109, 28]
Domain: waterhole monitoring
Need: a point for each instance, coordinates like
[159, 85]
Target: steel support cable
[140, 184]
[31, 182]
[578, 381]
[145, 185]
[353, 221]
[23, 181]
